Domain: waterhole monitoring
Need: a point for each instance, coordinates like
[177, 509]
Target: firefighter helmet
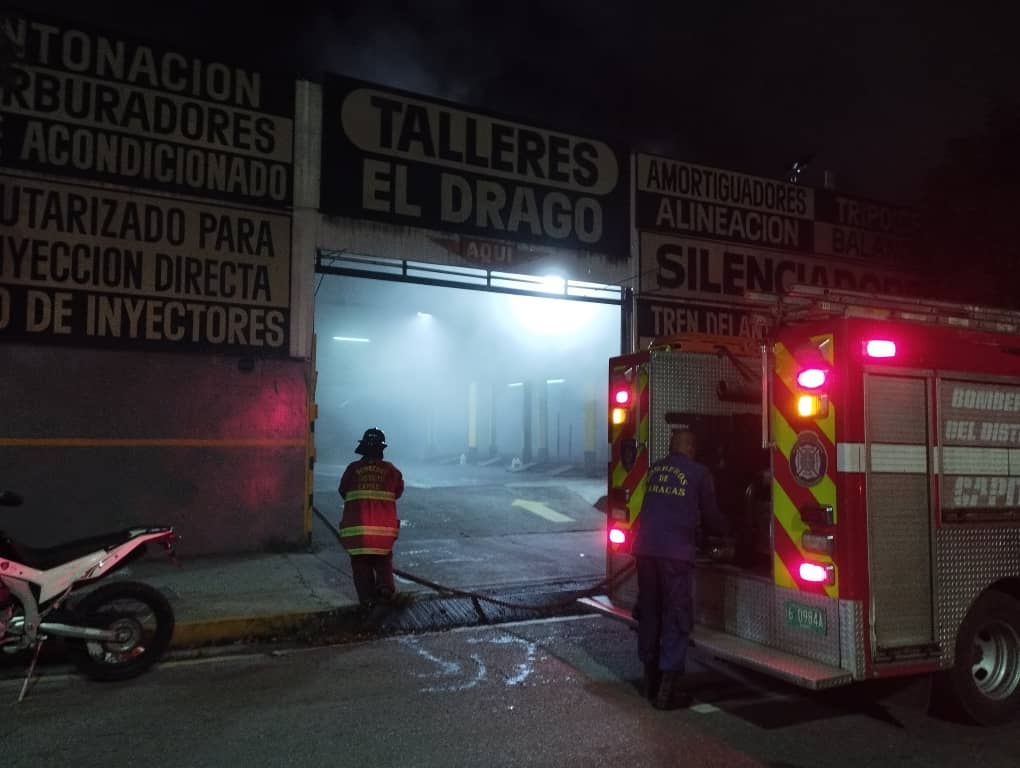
[373, 440]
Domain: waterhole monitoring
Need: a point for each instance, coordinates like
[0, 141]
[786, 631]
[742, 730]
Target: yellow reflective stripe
[788, 517]
[786, 514]
[374, 495]
[782, 573]
[368, 530]
[642, 385]
[825, 346]
[368, 551]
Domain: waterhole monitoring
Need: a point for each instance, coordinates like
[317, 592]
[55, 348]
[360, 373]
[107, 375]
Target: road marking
[523, 670]
[446, 669]
[540, 509]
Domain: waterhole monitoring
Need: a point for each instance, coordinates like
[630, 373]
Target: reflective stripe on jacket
[370, 489]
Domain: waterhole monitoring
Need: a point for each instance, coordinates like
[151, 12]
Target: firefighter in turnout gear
[679, 493]
[370, 488]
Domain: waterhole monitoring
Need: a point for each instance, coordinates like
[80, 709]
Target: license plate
[806, 617]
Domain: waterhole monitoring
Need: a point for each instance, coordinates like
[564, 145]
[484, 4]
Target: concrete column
[495, 390]
[305, 229]
[590, 426]
[472, 422]
[542, 441]
[430, 431]
[526, 452]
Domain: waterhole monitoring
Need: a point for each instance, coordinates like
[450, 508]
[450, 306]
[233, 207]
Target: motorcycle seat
[45, 558]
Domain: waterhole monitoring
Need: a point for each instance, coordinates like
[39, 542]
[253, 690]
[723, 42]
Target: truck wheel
[985, 680]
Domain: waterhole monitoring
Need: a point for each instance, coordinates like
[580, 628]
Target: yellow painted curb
[217, 631]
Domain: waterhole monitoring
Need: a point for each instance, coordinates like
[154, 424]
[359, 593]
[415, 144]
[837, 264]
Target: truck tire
[985, 680]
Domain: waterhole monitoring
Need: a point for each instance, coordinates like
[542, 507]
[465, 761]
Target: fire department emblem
[808, 462]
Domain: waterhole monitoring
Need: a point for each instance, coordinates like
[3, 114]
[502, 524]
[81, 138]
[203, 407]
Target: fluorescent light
[516, 384]
[425, 315]
[555, 381]
[553, 284]
[351, 338]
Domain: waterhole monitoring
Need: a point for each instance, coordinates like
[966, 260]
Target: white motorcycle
[112, 632]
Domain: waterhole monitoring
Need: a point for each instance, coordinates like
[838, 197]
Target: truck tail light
[619, 416]
[812, 378]
[809, 405]
[818, 514]
[619, 541]
[818, 543]
[815, 573]
[880, 348]
[621, 396]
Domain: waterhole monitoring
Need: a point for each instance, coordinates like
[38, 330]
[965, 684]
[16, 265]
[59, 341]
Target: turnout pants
[373, 577]
[665, 612]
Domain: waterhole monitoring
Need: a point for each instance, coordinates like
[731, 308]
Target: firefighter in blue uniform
[679, 494]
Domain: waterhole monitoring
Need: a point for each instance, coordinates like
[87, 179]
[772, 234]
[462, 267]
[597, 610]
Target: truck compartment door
[897, 421]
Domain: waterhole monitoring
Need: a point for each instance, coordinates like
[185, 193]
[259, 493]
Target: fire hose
[478, 597]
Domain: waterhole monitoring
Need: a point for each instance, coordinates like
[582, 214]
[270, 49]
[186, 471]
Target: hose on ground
[605, 584]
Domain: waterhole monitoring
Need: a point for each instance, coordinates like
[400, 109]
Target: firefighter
[370, 488]
[678, 494]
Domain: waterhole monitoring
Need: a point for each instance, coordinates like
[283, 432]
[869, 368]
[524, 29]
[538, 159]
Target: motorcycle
[112, 632]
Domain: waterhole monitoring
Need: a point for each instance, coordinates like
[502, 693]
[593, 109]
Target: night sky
[872, 89]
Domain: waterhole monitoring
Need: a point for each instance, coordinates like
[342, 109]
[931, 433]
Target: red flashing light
[814, 573]
[617, 536]
[881, 348]
[812, 378]
[621, 396]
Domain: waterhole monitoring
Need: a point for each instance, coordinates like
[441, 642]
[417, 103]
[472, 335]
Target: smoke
[415, 48]
[432, 352]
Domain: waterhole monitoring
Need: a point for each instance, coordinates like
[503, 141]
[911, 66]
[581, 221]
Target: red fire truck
[869, 459]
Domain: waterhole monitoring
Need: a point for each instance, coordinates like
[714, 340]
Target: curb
[328, 627]
[195, 634]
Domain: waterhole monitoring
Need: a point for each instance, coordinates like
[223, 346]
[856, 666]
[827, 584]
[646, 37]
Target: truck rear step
[785, 666]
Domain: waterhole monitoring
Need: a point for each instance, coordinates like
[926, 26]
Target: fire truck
[868, 458]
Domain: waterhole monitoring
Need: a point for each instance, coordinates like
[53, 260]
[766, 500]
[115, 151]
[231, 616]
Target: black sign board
[92, 106]
[410, 160]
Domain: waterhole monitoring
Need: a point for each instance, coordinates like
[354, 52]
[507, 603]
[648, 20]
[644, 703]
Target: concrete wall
[99, 439]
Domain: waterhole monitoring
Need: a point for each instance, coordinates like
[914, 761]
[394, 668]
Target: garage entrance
[490, 388]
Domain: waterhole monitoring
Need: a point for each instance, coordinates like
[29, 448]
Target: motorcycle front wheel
[142, 620]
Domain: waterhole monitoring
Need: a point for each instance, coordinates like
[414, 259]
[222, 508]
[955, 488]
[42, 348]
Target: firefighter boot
[652, 678]
[670, 695]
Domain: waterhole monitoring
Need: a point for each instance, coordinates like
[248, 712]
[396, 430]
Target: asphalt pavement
[562, 692]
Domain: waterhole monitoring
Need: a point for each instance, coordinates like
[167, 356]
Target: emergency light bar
[880, 348]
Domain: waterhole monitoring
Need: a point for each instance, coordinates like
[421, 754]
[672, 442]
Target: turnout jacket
[678, 493]
[370, 489]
